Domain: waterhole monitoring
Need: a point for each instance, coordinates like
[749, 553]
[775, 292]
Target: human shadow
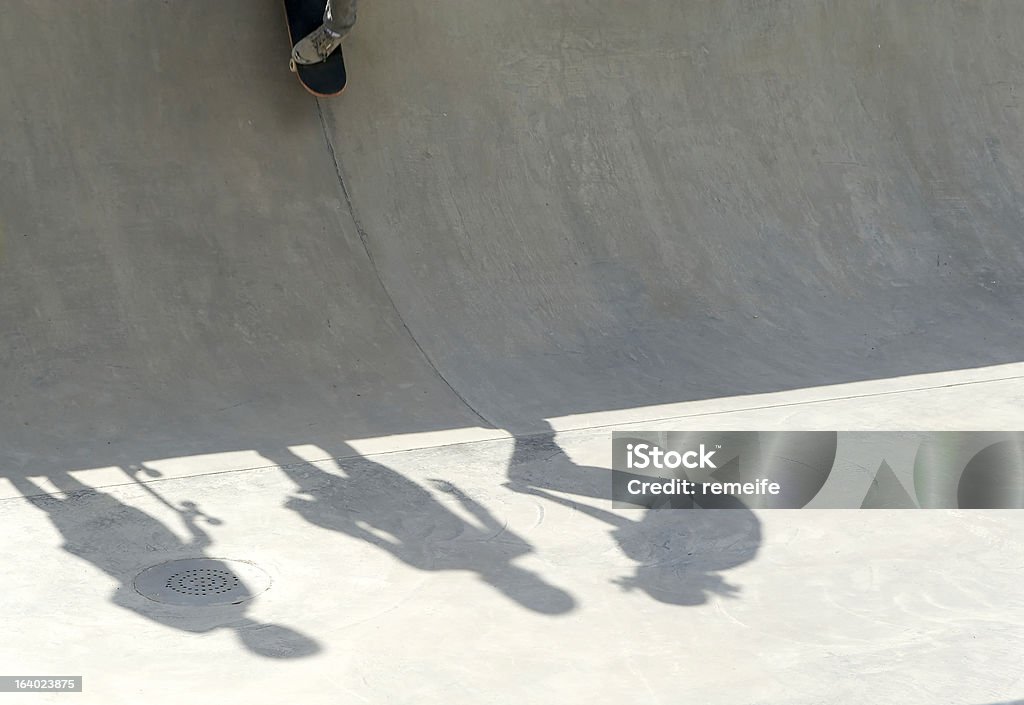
[679, 553]
[373, 503]
[110, 535]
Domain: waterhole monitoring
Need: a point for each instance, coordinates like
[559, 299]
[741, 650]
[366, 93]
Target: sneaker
[316, 46]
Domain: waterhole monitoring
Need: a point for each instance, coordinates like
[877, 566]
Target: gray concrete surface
[522, 218]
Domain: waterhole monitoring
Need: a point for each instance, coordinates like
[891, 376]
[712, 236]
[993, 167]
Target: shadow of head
[679, 553]
[275, 641]
[529, 590]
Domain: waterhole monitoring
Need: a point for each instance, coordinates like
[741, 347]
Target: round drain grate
[201, 582]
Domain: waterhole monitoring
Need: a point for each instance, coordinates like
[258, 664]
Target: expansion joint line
[376, 270]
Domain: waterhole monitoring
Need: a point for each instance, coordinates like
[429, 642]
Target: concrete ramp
[596, 205]
[518, 211]
[524, 219]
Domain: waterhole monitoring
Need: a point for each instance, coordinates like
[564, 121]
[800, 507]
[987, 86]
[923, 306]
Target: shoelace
[322, 43]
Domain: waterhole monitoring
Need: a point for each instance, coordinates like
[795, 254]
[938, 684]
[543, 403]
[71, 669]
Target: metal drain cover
[201, 582]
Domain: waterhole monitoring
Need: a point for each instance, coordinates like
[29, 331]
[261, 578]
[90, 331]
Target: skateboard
[327, 78]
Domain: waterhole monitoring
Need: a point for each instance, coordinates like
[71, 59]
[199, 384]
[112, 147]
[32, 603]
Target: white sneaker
[316, 46]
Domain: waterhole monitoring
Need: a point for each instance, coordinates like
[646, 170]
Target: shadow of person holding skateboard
[111, 535]
[679, 553]
[373, 503]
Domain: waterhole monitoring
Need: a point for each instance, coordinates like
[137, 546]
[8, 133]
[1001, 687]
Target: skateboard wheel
[291, 65]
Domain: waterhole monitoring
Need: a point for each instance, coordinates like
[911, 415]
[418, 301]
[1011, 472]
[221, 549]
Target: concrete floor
[380, 343]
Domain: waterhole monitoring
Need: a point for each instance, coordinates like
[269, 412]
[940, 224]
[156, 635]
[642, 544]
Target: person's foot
[316, 46]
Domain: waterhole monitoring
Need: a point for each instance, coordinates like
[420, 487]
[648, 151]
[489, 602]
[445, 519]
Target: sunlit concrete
[425, 576]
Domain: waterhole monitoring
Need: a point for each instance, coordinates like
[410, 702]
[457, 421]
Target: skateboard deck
[327, 78]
